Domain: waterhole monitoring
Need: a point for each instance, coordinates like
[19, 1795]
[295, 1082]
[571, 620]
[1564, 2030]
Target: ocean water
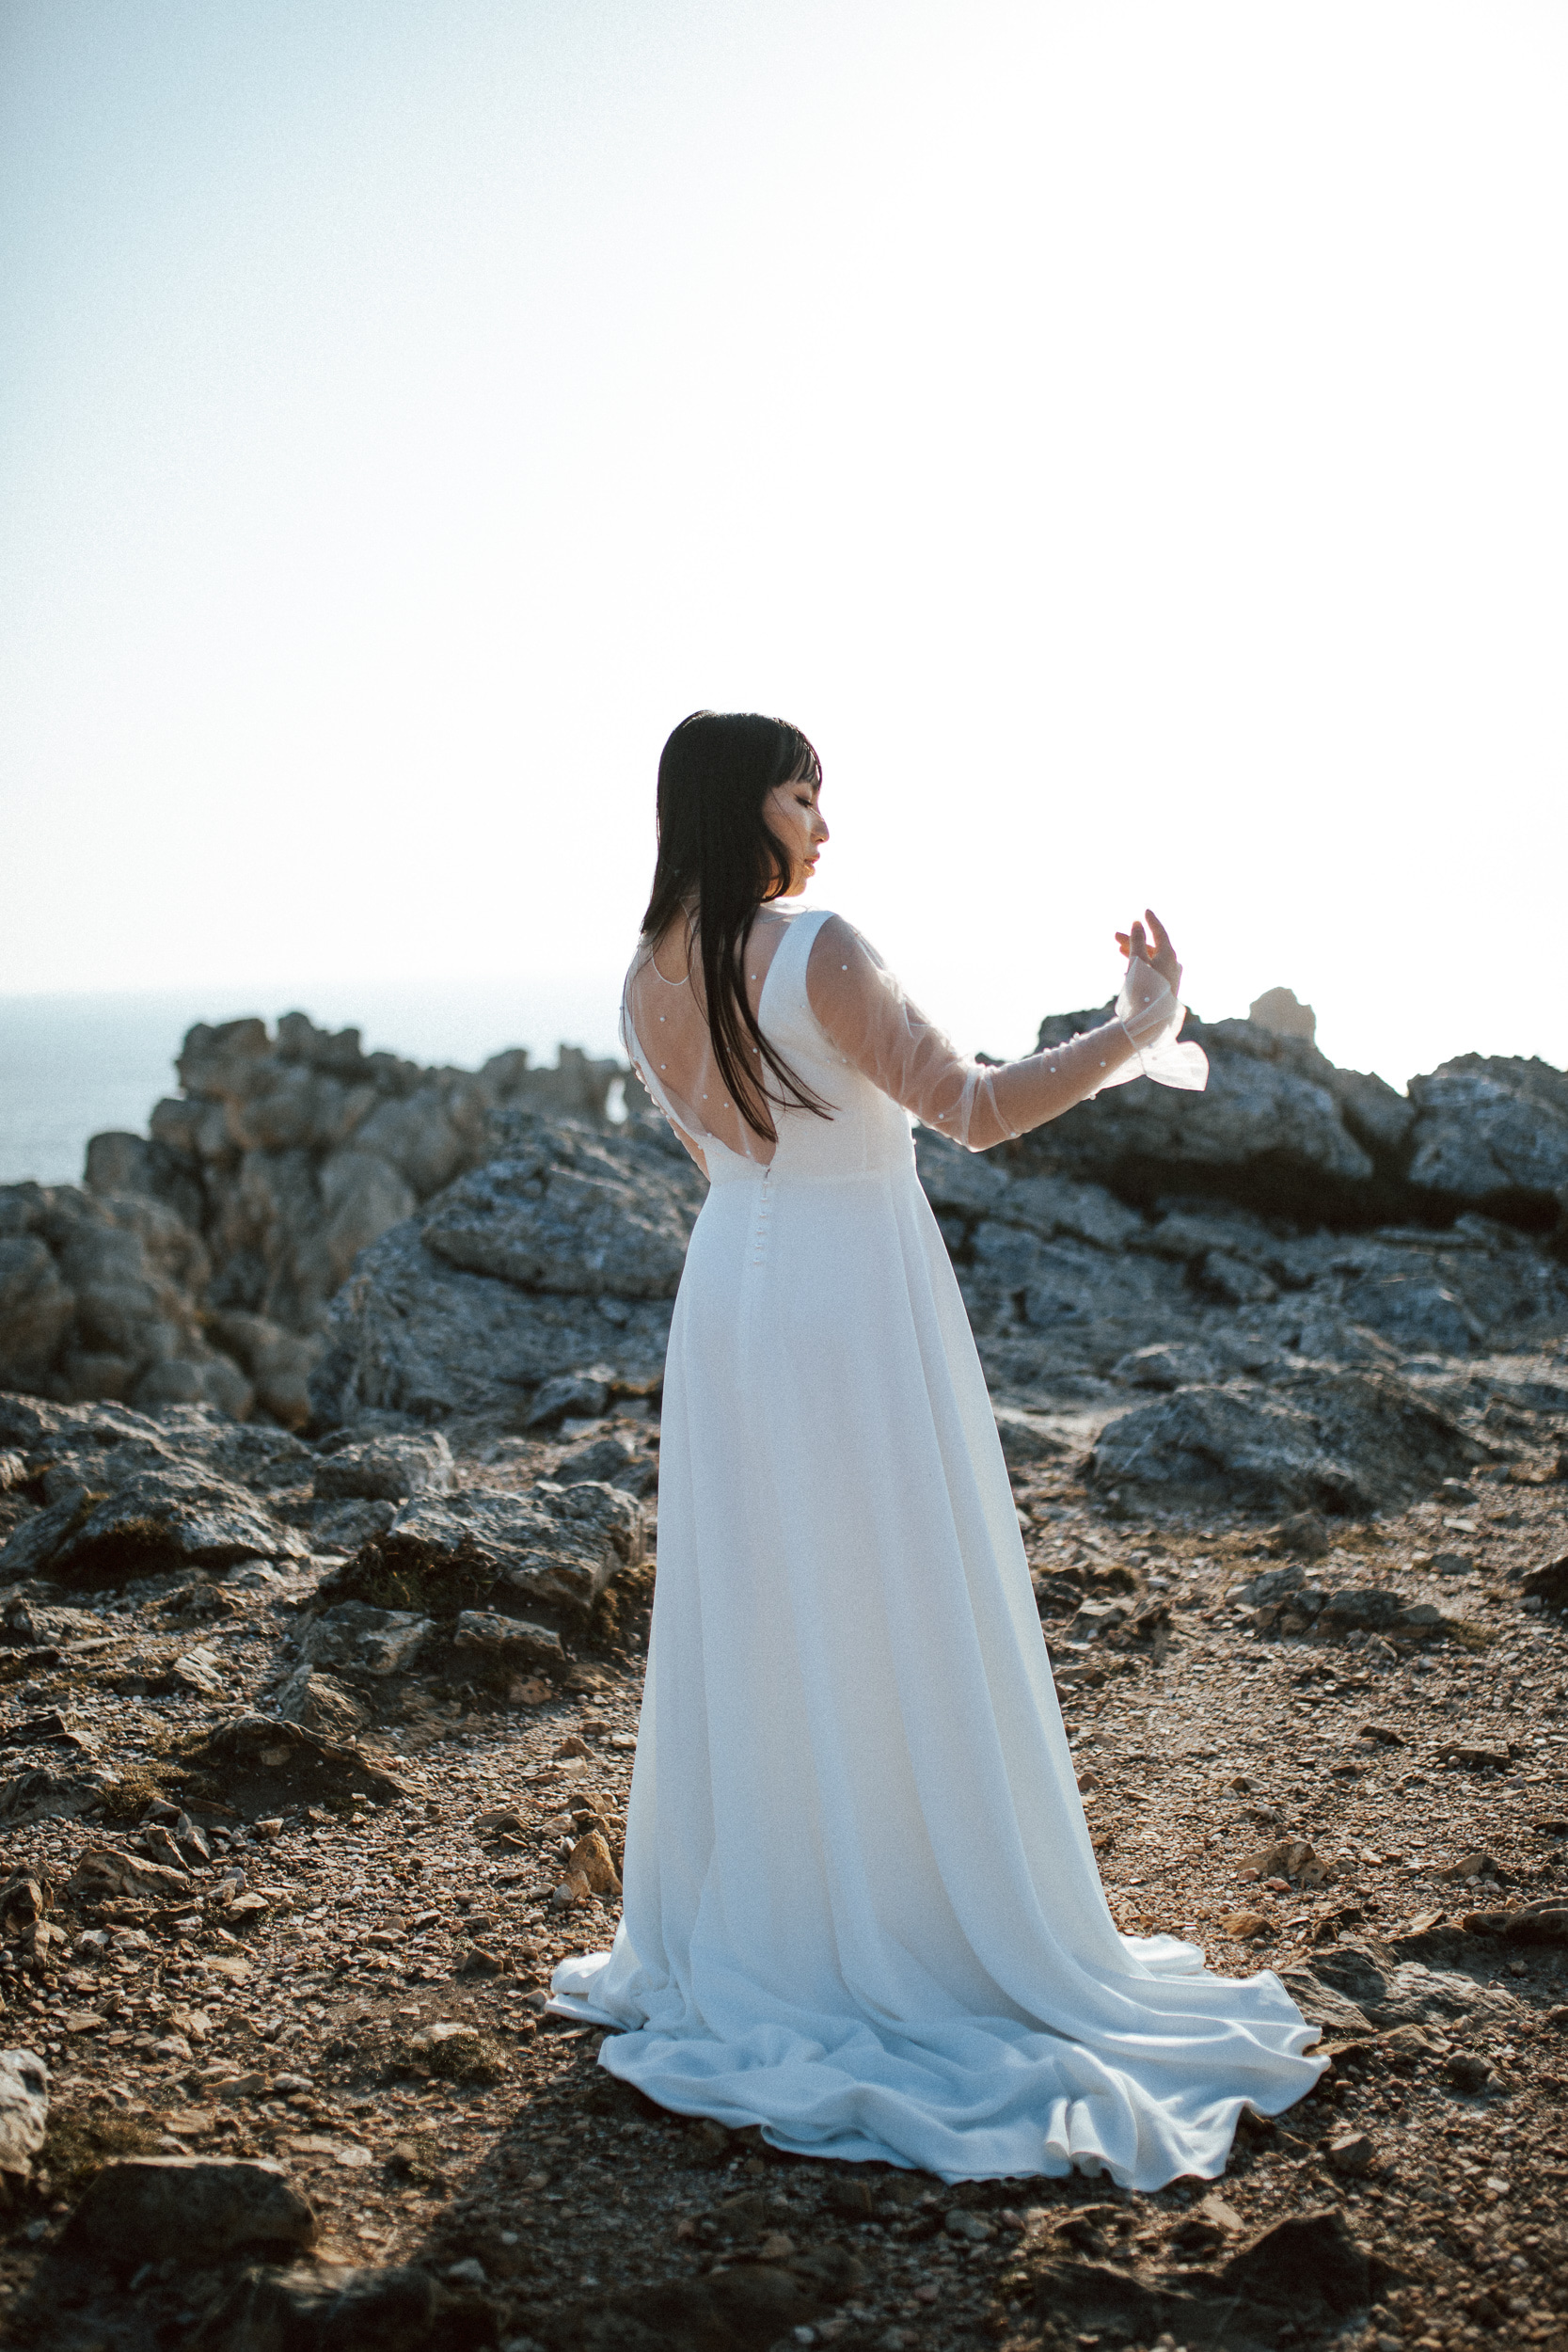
[71, 1067]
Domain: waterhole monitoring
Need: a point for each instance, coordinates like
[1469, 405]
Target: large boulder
[1493, 1134]
[568, 1216]
[1350, 1442]
[558, 1261]
[1280, 1129]
[197, 2211]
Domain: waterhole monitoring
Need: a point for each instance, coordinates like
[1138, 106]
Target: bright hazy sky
[1128, 437]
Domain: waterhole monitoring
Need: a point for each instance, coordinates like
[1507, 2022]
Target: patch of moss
[127, 1799]
[394, 1575]
[76, 2145]
[469, 2057]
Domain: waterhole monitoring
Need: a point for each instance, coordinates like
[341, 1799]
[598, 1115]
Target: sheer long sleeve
[866, 1014]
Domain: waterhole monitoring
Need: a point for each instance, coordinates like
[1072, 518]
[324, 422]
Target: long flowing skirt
[861, 1909]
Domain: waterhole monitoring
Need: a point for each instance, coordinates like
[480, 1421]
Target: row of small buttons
[765, 1202]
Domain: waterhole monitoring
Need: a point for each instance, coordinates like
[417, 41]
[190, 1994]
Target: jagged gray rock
[588, 1238]
[1493, 1134]
[387, 1468]
[124, 1496]
[1342, 1441]
[362, 1642]
[556, 1547]
[507, 1642]
[321, 1704]
[1278, 1124]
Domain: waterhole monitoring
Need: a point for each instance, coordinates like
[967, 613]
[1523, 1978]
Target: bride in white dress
[861, 1905]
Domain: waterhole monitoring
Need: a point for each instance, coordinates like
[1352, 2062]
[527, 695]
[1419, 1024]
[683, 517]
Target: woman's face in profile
[793, 818]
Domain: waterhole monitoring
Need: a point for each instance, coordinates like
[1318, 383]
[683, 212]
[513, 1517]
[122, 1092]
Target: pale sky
[1127, 437]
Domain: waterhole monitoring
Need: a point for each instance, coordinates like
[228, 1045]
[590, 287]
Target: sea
[73, 1065]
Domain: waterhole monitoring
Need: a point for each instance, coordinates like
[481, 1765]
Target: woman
[861, 1909]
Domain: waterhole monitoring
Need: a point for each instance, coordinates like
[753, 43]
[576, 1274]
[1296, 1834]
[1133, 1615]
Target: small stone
[1353, 2152]
[591, 1860]
[1475, 1865]
[158, 1843]
[469, 2272]
[1467, 2071]
[776, 2247]
[969, 2226]
[199, 1671]
[506, 1819]
[228, 1965]
[855, 2199]
[191, 1842]
[479, 1962]
[1245, 1925]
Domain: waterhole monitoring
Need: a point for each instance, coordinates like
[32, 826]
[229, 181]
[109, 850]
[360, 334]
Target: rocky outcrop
[368, 1249]
[98, 1299]
[1282, 1130]
[197, 1262]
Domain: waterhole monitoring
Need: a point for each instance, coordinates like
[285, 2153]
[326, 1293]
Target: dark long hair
[715, 848]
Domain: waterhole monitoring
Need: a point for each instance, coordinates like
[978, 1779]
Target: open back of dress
[861, 1909]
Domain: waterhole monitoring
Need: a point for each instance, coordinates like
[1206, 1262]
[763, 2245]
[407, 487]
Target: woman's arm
[865, 1013]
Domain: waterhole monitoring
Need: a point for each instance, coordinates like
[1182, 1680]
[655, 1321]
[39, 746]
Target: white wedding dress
[861, 1905]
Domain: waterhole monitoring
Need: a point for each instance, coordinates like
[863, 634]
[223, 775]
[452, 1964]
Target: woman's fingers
[1165, 959]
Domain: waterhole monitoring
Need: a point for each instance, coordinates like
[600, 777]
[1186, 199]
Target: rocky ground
[328, 1466]
[1336, 1749]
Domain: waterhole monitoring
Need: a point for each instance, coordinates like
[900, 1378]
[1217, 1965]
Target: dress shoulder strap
[784, 998]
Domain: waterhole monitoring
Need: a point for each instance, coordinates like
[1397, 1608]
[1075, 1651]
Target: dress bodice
[867, 1131]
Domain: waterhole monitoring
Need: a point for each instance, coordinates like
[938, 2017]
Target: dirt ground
[1378, 1809]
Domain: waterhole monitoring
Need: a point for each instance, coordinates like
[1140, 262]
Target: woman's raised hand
[1135, 945]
